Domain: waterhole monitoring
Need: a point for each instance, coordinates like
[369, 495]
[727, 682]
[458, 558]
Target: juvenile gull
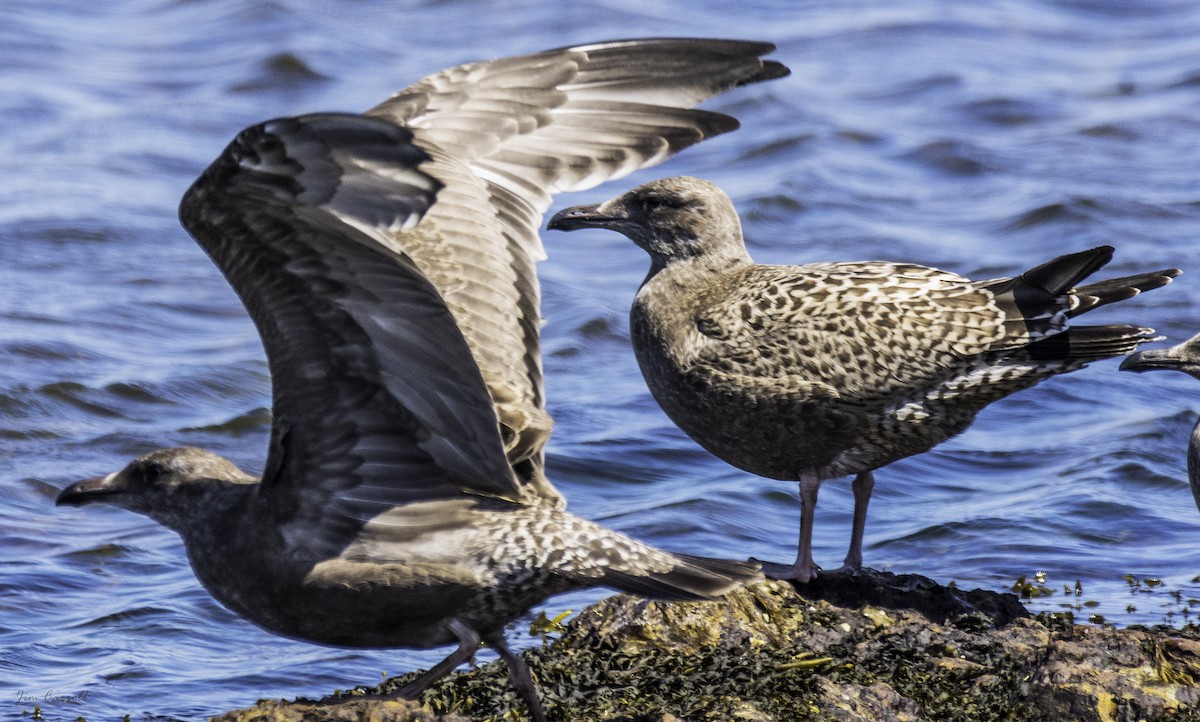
[1183, 357]
[811, 372]
[387, 260]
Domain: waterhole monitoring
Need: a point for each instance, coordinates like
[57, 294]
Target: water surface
[980, 138]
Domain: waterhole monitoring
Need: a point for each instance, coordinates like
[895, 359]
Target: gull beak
[1154, 359]
[89, 490]
[570, 219]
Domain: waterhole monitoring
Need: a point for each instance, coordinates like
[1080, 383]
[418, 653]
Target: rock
[350, 711]
[911, 591]
[893, 648]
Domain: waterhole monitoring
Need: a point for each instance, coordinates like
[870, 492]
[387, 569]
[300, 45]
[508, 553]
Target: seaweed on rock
[908, 649]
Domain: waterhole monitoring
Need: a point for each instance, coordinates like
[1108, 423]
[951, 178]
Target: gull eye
[151, 473]
[653, 202]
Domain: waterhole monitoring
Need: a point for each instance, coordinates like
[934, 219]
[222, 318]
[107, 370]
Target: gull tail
[1091, 343]
[1095, 295]
[1039, 304]
[690, 579]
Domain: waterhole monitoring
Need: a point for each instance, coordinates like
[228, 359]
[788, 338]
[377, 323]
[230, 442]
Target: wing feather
[507, 134]
[378, 400]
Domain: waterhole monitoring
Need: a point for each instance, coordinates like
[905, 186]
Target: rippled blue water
[982, 138]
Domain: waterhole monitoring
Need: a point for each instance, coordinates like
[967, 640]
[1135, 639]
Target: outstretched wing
[378, 401]
[507, 134]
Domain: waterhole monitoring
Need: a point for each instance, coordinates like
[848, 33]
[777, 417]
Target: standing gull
[811, 372]
[387, 260]
[1183, 357]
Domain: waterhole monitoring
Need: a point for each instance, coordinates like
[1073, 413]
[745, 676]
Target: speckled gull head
[672, 219]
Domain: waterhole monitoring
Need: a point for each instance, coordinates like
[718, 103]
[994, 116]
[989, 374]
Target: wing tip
[771, 70]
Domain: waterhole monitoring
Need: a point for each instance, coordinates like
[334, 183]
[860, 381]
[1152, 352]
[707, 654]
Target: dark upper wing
[506, 135]
[377, 398]
[862, 331]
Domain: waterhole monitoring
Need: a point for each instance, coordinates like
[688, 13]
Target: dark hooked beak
[89, 490]
[570, 219]
[1151, 360]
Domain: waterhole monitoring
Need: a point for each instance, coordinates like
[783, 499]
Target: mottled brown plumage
[387, 260]
[831, 369]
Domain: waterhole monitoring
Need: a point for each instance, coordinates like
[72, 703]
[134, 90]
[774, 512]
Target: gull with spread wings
[387, 260]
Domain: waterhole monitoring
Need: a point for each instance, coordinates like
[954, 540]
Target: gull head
[1183, 357]
[672, 219]
[170, 486]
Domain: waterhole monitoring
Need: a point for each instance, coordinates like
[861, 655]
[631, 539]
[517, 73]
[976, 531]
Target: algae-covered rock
[891, 648]
[353, 710]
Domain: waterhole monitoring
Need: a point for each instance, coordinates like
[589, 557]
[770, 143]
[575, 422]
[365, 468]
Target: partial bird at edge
[1184, 357]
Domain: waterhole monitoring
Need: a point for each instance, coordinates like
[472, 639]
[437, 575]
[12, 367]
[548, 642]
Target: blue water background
[982, 138]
